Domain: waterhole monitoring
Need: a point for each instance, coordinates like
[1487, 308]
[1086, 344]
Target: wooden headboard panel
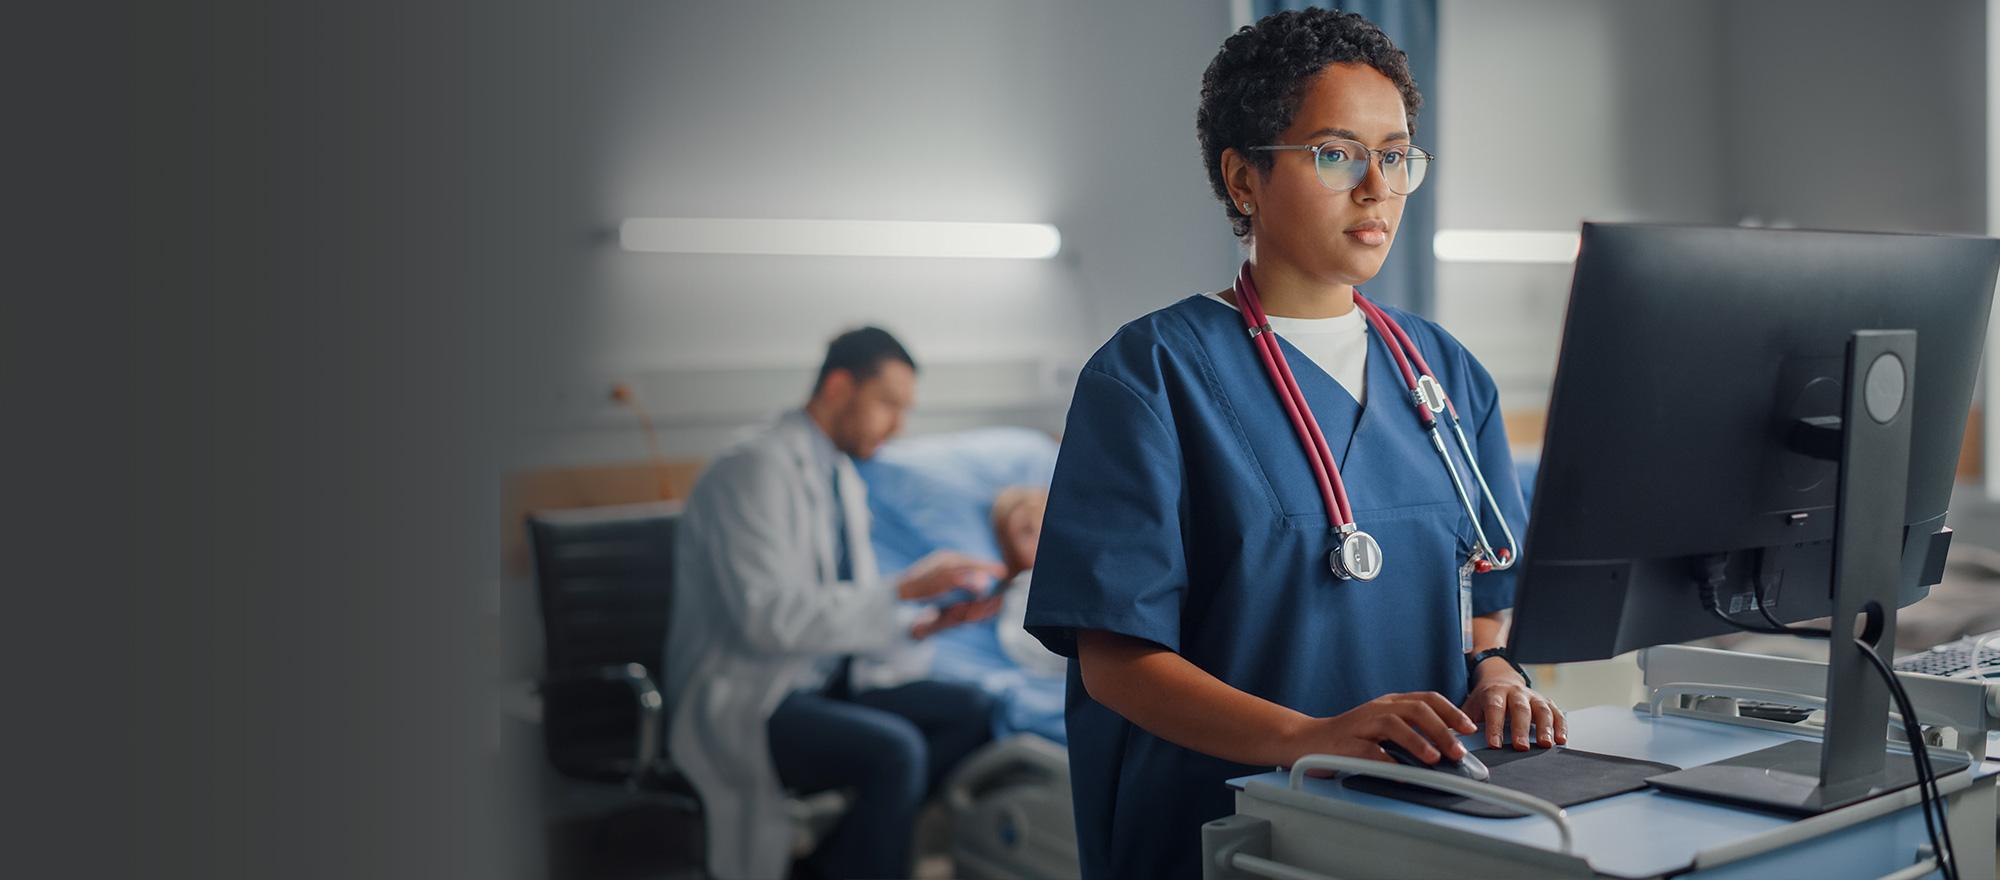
[590, 486]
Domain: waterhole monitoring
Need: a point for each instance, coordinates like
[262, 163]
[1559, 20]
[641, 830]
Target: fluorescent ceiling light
[840, 238]
[1505, 246]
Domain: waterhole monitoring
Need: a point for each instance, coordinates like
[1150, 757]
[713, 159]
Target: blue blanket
[936, 492]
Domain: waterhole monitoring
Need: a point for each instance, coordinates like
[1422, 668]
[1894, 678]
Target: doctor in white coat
[775, 590]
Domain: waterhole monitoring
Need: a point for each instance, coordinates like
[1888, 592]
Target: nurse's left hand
[1502, 700]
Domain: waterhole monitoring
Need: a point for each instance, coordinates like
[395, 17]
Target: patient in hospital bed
[980, 492]
[1017, 525]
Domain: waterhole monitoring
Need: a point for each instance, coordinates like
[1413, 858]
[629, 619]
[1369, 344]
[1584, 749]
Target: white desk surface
[1638, 834]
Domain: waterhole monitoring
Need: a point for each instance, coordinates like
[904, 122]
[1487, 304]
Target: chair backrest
[605, 576]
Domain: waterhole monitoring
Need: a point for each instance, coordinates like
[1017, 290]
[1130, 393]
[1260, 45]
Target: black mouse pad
[1562, 776]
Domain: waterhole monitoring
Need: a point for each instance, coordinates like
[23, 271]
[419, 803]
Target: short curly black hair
[1253, 87]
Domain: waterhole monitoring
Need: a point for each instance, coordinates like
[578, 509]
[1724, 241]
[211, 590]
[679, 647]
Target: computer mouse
[1469, 766]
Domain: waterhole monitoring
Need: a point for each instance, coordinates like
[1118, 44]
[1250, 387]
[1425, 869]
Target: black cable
[1920, 755]
[1920, 759]
[1722, 615]
[1714, 572]
[1930, 798]
[1931, 801]
[1764, 608]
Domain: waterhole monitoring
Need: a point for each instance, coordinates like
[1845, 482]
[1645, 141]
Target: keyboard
[1956, 659]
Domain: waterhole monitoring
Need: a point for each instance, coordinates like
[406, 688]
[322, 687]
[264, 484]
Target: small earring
[1246, 207]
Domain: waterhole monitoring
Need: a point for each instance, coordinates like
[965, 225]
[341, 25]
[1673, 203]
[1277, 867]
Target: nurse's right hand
[1421, 722]
[947, 570]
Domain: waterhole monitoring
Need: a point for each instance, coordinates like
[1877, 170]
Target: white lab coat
[755, 604]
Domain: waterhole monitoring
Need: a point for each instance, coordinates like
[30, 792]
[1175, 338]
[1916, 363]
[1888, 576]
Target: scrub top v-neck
[1184, 513]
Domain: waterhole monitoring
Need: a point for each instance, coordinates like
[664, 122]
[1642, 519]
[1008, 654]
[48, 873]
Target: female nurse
[1183, 561]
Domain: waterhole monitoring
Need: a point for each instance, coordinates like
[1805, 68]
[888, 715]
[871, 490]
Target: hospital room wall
[1857, 115]
[1641, 90]
[1900, 92]
[1701, 112]
[1079, 115]
[1553, 112]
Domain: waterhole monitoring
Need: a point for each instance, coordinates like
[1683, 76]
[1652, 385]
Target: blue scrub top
[1183, 512]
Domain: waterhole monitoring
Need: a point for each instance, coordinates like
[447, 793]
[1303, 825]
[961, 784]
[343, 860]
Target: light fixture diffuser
[840, 238]
[1505, 246]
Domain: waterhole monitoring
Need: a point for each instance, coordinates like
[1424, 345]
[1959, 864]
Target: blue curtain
[1408, 280]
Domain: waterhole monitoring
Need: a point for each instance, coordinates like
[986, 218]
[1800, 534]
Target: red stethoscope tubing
[1326, 472]
[1404, 350]
[1490, 556]
[1332, 491]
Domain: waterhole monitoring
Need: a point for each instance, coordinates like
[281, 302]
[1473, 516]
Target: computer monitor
[1691, 456]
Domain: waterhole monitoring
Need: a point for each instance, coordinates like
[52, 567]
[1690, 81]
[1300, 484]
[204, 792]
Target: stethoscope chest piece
[1357, 557]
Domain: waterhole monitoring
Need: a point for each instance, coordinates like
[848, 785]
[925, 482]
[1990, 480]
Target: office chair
[605, 579]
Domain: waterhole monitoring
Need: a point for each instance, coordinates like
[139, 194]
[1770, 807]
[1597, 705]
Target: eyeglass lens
[1342, 165]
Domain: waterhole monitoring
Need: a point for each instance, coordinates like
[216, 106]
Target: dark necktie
[838, 685]
[843, 566]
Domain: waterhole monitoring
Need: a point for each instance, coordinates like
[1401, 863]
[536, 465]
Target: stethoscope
[1356, 554]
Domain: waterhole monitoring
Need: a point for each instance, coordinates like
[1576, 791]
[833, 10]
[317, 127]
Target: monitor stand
[1853, 762]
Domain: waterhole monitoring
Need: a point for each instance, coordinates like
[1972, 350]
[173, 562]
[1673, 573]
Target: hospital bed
[1011, 812]
[1010, 802]
[936, 492]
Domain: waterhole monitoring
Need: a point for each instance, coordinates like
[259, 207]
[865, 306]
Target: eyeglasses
[1342, 164]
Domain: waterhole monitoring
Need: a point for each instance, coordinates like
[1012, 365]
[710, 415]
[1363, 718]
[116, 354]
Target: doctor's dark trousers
[891, 748]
